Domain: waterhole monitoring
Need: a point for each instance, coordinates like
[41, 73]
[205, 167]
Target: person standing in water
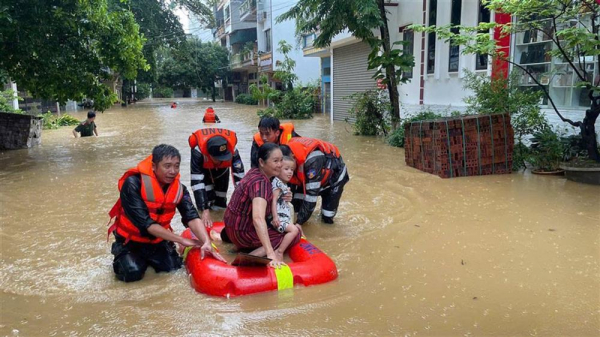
[149, 195]
[88, 127]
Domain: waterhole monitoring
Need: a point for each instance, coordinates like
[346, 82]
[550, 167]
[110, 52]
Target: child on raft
[281, 209]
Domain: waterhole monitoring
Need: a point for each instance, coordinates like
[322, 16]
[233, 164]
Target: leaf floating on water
[462, 262]
[551, 230]
[475, 297]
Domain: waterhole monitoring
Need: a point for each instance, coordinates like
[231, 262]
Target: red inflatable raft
[310, 266]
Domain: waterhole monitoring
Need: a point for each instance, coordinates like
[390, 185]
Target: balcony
[248, 11]
[244, 60]
[309, 50]
[235, 61]
[265, 62]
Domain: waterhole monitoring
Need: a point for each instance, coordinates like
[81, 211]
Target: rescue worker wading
[212, 150]
[210, 116]
[270, 131]
[320, 170]
[149, 195]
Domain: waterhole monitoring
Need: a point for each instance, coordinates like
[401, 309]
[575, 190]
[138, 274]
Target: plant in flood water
[546, 151]
[370, 113]
[50, 121]
[263, 91]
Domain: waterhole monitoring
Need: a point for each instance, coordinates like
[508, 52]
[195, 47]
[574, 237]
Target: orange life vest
[161, 205]
[201, 137]
[173, 105]
[287, 130]
[209, 116]
[301, 147]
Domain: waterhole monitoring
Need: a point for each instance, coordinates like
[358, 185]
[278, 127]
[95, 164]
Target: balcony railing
[235, 61]
[248, 10]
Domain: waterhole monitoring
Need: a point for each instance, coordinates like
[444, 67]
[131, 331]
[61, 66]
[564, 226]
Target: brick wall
[19, 131]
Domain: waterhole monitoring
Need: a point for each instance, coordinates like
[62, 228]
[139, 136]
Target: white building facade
[437, 77]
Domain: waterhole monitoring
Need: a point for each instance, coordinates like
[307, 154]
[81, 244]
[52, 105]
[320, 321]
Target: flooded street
[505, 255]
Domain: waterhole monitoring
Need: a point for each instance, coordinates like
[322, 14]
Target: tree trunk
[213, 94]
[390, 72]
[588, 129]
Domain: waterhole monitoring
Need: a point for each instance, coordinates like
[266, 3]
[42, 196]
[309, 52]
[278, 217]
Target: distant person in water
[210, 116]
[173, 105]
[149, 195]
[88, 127]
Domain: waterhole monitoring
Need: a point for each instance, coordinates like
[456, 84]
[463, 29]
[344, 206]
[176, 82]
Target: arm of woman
[259, 207]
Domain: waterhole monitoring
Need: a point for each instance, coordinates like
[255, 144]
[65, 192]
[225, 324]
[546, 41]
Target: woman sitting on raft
[246, 215]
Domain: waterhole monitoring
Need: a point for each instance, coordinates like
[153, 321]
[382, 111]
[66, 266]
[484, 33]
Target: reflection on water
[417, 255]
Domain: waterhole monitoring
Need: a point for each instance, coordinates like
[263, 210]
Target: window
[431, 37]
[307, 40]
[453, 60]
[481, 60]
[327, 71]
[268, 40]
[226, 13]
[408, 36]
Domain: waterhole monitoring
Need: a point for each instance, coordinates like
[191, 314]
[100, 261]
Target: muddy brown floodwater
[506, 255]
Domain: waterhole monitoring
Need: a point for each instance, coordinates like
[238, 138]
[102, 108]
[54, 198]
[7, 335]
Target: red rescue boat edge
[310, 266]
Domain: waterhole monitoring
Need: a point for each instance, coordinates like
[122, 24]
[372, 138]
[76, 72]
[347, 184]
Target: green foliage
[397, 137]
[263, 91]
[143, 91]
[284, 70]
[60, 51]
[573, 147]
[6, 98]
[298, 103]
[51, 121]
[361, 18]
[193, 64]
[245, 99]
[521, 155]
[161, 27]
[546, 151]
[267, 112]
[162, 92]
[369, 113]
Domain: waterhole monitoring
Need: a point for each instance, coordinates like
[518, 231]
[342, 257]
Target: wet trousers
[132, 260]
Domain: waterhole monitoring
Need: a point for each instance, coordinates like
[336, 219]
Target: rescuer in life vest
[270, 131]
[320, 170]
[213, 153]
[210, 116]
[149, 195]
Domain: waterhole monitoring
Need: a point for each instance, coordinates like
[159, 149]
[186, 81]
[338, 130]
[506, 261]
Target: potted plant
[576, 164]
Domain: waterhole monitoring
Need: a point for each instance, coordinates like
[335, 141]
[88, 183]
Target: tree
[361, 17]
[62, 50]
[195, 64]
[285, 69]
[572, 26]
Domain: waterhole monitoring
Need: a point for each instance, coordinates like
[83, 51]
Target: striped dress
[238, 216]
